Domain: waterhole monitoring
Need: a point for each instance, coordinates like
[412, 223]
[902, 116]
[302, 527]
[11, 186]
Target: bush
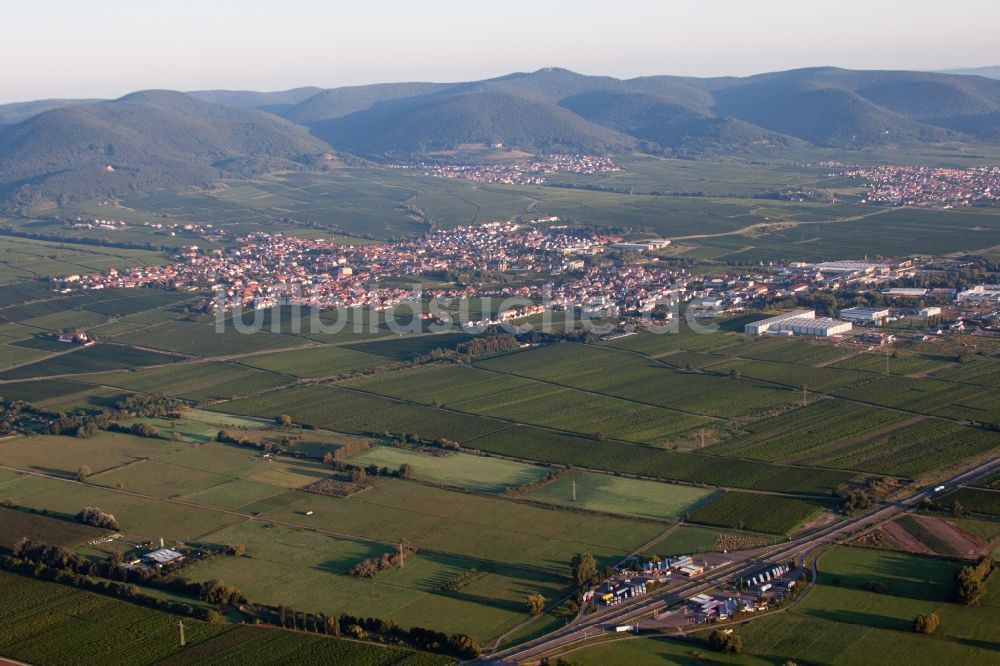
[97, 518]
[926, 624]
[725, 640]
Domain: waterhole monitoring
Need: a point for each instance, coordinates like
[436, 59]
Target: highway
[588, 626]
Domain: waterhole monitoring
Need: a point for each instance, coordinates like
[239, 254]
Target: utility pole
[180, 625]
[574, 490]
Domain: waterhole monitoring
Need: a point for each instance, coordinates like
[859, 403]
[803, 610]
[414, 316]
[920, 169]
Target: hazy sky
[106, 48]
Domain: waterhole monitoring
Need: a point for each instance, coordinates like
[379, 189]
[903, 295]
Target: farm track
[779, 224]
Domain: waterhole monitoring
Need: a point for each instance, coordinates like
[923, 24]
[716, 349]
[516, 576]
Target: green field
[456, 469]
[629, 497]
[323, 361]
[758, 513]
[285, 563]
[50, 624]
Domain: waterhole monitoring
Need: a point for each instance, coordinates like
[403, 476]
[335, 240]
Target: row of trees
[370, 567]
[554, 475]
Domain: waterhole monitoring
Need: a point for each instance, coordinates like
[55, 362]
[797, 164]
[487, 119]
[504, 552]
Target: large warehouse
[799, 322]
[765, 325]
[866, 316]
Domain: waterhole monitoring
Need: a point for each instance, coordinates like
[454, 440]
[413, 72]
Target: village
[535, 171]
[538, 269]
[930, 187]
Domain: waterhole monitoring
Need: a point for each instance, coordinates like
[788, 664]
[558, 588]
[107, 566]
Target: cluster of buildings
[932, 187]
[758, 592]
[269, 269]
[980, 294]
[528, 172]
[166, 228]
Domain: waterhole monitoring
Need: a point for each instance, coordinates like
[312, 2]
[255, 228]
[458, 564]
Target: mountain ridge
[154, 138]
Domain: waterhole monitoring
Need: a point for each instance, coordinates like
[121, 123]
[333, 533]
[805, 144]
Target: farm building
[867, 316]
[162, 557]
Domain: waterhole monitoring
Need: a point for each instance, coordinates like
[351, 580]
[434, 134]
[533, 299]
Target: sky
[107, 48]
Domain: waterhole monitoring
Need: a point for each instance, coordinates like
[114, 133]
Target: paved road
[595, 624]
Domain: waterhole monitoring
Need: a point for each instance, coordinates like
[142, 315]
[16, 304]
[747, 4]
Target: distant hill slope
[988, 72]
[148, 139]
[256, 100]
[158, 138]
[16, 112]
[441, 122]
[821, 106]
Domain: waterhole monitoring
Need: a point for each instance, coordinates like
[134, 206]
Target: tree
[857, 500]
[358, 475]
[83, 473]
[329, 459]
[97, 518]
[464, 646]
[584, 569]
[284, 420]
[535, 603]
[971, 581]
[926, 624]
[405, 471]
[725, 640]
[236, 549]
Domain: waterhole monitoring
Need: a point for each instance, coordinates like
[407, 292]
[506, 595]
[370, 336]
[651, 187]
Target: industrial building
[799, 322]
[765, 325]
[980, 293]
[641, 246]
[865, 316]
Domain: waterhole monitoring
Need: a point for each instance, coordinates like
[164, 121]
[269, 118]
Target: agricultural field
[197, 382]
[619, 495]
[63, 456]
[325, 361]
[554, 447]
[974, 500]
[630, 376]
[48, 623]
[349, 411]
[141, 518]
[517, 399]
[772, 514]
[312, 568]
[480, 473]
[92, 358]
[202, 339]
[911, 450]
[15, 524]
